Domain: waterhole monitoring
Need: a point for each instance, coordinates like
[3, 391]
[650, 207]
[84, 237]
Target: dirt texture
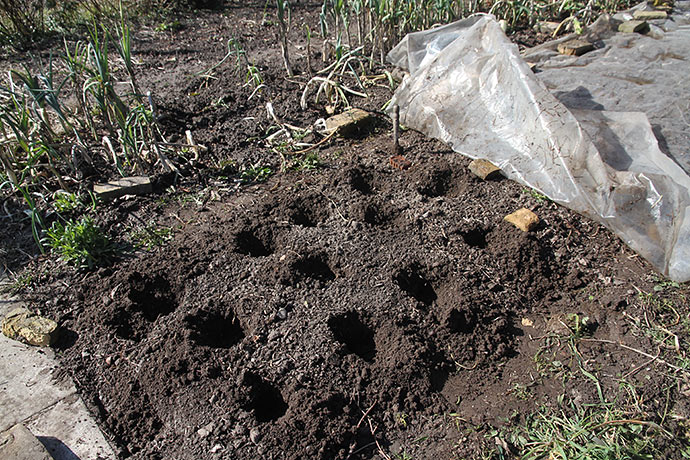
[366, 309]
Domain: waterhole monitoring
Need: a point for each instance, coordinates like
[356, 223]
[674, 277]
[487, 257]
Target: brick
[523, 218]
[136, 185]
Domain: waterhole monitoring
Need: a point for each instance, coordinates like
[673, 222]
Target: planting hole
[309, 211]
[151, 295]
[358, 181]
[314, 267]
[475, 238]
[410, 281]
[248, 243]
[461, 321]
[349, 330]
[437, 183]
[215, 330]
[374, 215]
[265, 400]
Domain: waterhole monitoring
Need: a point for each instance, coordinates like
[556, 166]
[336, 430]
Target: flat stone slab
[349, 122]
[575, 47]
[18, 443]
[649, 15]
[35, 394]
[135, 185]
[629, 27]
[25, 326]
[484, 169]
[523, 218]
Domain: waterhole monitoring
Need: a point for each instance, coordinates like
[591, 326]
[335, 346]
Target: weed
[150, 236]
[539, 197]
[310, 162]
[22, 281]
[520, 391]
[65, 202]
[255, 173]
[80, 243]
[169, 26]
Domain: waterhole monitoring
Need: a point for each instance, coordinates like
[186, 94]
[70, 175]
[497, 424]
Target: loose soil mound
[341, 313]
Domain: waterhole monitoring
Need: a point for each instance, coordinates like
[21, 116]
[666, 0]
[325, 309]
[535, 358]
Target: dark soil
[356, 311]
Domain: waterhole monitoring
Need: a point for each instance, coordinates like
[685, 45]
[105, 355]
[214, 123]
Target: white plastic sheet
[469, 87]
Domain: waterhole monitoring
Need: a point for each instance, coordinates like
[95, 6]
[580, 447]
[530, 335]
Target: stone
[20, 324]
[254, 435]
[18, 443]
[575, 47]
[629, 27]
[135, 185]
[649, 15]
[547, 27]
[523, 218]
[351, 121]
[484, 169]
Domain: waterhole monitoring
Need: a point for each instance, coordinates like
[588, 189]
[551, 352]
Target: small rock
[546, 27]
[523, 218]
[254, 435]
[282, 314]
[349, 122]
[216, 448]
[649, 15]
[527, 322]
[205, 430]
[575, 47]
[18, 443]
[136, 185]
[484, 169]
[629, 27]
[20, 324]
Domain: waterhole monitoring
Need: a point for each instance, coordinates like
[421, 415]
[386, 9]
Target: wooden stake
[397, 150]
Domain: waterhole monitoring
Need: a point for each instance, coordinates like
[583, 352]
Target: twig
[353, 444]
[646, 363]
[321, 142]
[381, 452]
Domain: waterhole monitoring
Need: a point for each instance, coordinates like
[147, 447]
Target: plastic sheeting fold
[469, 86]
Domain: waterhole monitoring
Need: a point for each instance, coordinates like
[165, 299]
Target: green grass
[255, 173]
[80, 243]
[310, 162]
[150, 236]
[586, 433]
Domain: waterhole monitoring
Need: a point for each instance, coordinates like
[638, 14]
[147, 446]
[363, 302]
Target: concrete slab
[82, 439]
[18, 443]
[34, 394]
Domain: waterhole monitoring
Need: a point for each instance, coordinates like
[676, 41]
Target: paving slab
[18, 443]
[35, 394]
